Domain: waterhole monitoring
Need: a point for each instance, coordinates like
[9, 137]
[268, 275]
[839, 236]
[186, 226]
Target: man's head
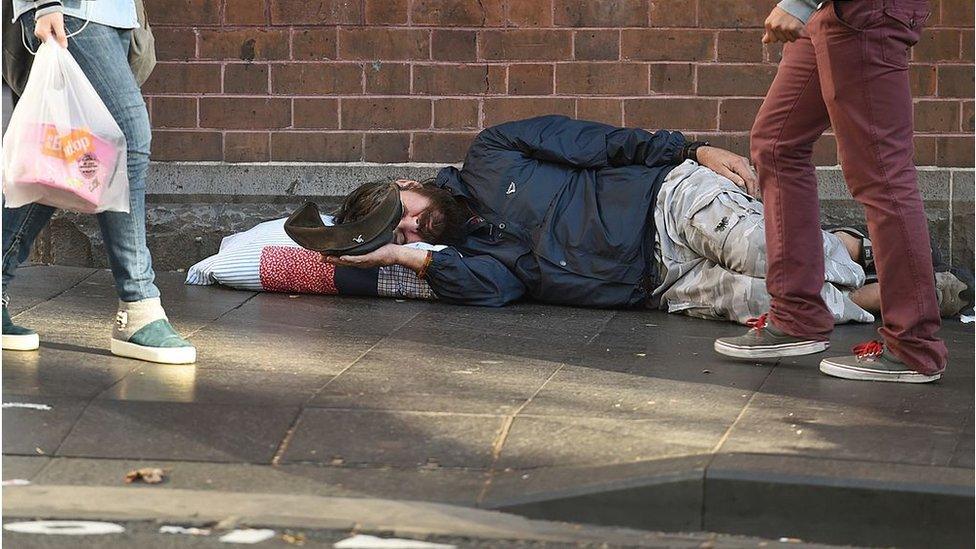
[430, 214]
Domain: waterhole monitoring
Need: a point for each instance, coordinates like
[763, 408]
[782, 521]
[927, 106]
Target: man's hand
[781, 26]
[49, 25]
[730, 165]
[390, 254]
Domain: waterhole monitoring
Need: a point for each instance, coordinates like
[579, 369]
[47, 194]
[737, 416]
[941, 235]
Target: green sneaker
[156, 342]
[763, 340]
[17, 338]
[871, 361]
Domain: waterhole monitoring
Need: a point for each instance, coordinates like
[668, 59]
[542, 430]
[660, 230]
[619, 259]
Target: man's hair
[440, 223]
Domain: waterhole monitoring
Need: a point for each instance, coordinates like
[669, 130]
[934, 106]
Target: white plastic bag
[62, 147]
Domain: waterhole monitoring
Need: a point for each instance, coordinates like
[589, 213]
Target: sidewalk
[615, 418]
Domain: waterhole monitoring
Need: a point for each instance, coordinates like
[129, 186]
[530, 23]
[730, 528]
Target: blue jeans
[102, 52]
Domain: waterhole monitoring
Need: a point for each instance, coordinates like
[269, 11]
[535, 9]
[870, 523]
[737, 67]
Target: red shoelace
[757, 324]
[868, 348]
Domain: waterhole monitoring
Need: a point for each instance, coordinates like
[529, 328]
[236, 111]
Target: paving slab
[34, 432]
[396, 439]
[54, 371]
[23, 467]
[167, 430]
[38, 283]
[427, 377]
[421, 484]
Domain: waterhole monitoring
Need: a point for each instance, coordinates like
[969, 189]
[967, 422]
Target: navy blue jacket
[564, 213]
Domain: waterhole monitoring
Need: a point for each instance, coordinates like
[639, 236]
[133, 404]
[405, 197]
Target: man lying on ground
[585, 214]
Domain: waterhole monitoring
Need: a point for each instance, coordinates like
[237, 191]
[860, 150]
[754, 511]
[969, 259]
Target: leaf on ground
[149, 475]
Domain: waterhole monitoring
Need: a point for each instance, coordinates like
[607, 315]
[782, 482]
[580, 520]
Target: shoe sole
[27, 342]
[771, 351]
[160, 355]
[861, 374]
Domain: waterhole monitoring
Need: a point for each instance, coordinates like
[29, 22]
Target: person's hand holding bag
[50, 25]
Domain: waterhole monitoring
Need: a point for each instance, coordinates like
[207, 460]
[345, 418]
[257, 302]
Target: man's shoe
[18, 338]
[872, 362]
[763, 340]
[156, 342]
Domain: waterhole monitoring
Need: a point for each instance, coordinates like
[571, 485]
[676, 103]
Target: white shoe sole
[29, 342]
[862, 374]
[771, 351]
[161, 355]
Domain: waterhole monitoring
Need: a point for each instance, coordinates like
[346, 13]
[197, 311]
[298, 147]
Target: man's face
[407, 230]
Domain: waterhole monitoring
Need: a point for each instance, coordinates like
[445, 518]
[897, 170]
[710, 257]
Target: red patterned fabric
[296, 270]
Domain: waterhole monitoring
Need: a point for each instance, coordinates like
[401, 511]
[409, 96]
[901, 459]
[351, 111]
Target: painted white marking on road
[65, 527]
[28, 405]
[15, 482]
[361, 541]
[190, 531]
[247, 536]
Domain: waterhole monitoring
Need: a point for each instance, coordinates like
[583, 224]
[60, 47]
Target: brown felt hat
[359, 237]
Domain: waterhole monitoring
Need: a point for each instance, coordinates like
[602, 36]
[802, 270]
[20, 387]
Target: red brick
[315, 113]
[387, 147]
[671, 114]
[955, 152]
[925, 150]
[735, 79]
[529, 13]
[246, 78]
[316, 12]
[451, 45]
[174, 43]
[600, 13]
[733, 13]
[456, 114]
[597, 45]
[183, 78]
[935, 18]
[608, 111]
[380, 43]
[247, 147]
[957, 13]
[733, 142]
[968, 40]
[450, 79]
[497, 80]
[937, 116]
[968, 117]
[740, 46]
[924, 80]
[245, 12]
[313, 44]
[245, 44]
[386, 114]
[316, 147]
[956, 81]
[386, 12]
[666, 45]
[457, 13]
[738, 114]
[186, 145]
[937, 45]
[183, 12]
[504, 109]
[672, 78]
[244, 113]
[388, 78]
[673, 13]
[526, 45]
[535, 79]
[601, 79]
[316, 78]
[773, 53]
[174, 112]
[441, 147]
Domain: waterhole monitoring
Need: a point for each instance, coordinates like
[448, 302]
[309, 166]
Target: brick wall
[414, 80]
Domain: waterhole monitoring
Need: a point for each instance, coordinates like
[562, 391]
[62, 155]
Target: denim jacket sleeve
[583, 144]
[801, 9]
[476, 280]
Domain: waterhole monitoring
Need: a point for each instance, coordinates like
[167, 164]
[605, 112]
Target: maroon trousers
[850, 74]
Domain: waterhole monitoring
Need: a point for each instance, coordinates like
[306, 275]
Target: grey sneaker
[763, 340]
[871, 361]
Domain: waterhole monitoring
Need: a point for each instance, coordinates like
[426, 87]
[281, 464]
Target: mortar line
[499, 443]
[191, 333]
[728, 432]
[59, 294]
[290, 433]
